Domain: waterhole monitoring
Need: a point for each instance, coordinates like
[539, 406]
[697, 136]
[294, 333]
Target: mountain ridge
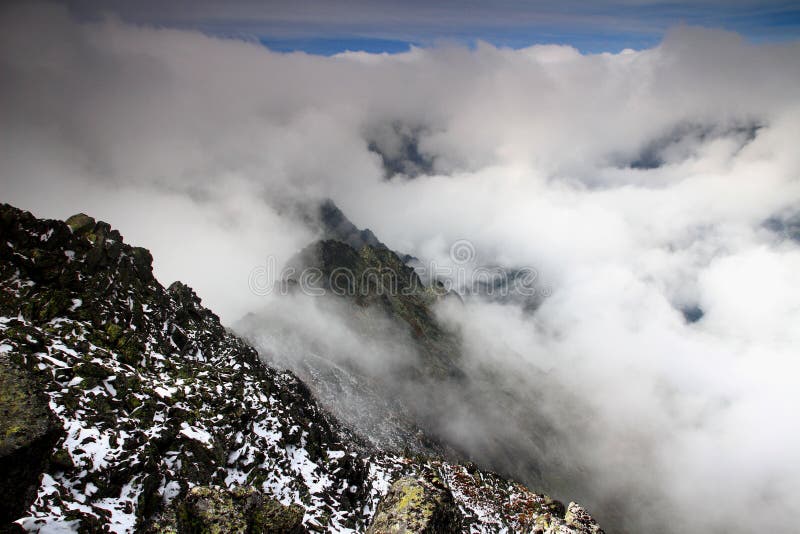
[151, 400]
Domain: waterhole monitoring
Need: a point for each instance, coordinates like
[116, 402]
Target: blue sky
[331, 26]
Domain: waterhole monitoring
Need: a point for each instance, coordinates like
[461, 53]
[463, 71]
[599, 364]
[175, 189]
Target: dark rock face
[28, 433]
[418, 506]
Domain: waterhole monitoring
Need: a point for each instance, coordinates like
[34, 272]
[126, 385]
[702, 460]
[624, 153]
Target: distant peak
[335, 225]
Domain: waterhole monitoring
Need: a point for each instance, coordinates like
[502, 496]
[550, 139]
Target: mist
[637, 185]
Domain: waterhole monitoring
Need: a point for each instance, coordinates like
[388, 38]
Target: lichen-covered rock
[28, 432]
[80, 223]
[580, 520]
[416, 505]
[208, 510]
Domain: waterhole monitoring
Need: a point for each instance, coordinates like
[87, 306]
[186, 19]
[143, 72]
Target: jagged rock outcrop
[152, 397]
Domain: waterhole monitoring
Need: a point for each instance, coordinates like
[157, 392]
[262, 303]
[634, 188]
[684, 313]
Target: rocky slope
[416, 390]
[126, 406]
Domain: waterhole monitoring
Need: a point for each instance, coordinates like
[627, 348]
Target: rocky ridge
[134, 409]
[425, 397]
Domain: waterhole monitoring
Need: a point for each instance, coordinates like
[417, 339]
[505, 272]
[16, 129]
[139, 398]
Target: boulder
[416, 506]
[28, 434]
[80, 223]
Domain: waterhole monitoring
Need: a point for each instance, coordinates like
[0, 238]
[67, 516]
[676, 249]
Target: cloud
[200, 149]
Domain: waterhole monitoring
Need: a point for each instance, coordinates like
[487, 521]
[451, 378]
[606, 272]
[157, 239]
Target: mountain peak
[336, 225]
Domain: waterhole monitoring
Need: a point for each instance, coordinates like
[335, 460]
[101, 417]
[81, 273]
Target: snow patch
[196, 434]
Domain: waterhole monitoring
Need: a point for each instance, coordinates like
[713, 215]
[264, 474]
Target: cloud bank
[637, 184]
